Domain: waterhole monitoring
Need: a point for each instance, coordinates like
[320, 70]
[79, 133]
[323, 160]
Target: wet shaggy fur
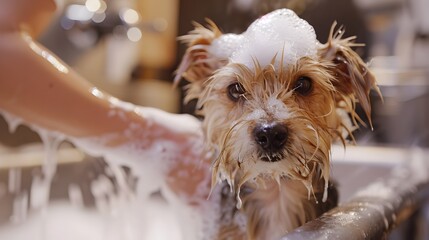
[275, 196]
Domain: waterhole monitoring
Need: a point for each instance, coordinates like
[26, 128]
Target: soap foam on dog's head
[280, 33]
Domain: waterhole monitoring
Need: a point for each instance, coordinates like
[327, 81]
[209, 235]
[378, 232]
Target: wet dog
[274, 99]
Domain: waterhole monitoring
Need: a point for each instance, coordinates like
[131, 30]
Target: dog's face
[273, 98]
[270, 123]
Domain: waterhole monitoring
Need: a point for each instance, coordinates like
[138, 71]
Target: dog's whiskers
[305, 163]
[331, 109]
[316, 135]
[224, 155]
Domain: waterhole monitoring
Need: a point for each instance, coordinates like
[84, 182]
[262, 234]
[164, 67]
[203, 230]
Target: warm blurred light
[134, 34]
[97, 93]
[130, 16]
[99, 17]
[78, 12]
[93, 5]
[103, 7]
[45, 54]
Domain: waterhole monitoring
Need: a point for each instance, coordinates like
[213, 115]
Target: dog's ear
[352, 78]
[198, 64]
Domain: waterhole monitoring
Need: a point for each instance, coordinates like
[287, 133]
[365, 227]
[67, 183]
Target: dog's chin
[252, 167]
[255, 167]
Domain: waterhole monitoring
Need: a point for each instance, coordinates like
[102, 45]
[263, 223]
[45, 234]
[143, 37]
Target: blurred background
[129, 49]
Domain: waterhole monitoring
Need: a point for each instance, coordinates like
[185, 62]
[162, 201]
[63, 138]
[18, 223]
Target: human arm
[41, 90]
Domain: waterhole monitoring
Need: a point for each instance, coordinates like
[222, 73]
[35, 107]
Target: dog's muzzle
[271, 138]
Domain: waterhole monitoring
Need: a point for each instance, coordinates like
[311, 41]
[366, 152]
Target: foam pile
[280, 31]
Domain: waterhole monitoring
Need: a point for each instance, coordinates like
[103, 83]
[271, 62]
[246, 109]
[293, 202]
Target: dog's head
[274, 98]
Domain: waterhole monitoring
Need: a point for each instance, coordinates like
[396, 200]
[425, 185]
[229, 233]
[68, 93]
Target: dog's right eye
[235, 91]
[303, 86]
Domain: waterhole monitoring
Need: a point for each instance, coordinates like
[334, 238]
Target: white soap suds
[225, 45]
[148, 164]
[280, 34]
[12, 121]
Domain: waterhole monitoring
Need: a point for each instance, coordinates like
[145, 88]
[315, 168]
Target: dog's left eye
[235, 91]
[303, 86]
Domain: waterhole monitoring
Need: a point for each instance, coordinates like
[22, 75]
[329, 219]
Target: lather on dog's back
[274, 100]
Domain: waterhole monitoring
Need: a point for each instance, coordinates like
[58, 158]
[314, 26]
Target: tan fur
[278, 196]
[353, 80]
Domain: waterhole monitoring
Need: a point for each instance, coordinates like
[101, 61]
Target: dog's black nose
[271, 136]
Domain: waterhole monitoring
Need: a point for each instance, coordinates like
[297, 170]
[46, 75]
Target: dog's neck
[274, 209]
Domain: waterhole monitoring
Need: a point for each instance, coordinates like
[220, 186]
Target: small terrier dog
[273, 100]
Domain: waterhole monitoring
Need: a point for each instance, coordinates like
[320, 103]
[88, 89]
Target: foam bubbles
[148, 162]
[280, 31]
[223, 46]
